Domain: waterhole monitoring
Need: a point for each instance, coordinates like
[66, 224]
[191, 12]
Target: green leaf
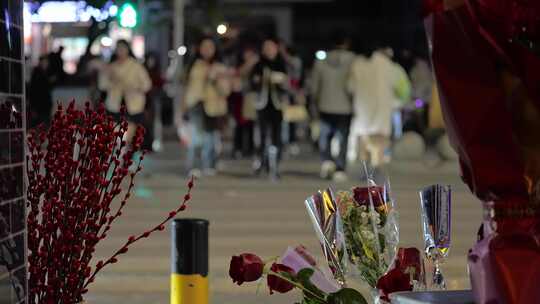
[303, 277]
[346, 296]
[312, 301]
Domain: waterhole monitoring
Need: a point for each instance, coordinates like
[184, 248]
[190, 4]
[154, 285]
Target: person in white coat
[126, 81]
[333, 100]
[204, 103]
[376, 84]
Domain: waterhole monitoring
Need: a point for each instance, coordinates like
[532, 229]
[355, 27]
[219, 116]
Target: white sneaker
[196, 173]
[210, 172]
[340, 177]
[327, 169]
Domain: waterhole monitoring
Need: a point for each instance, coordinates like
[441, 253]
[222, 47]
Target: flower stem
[297, 285]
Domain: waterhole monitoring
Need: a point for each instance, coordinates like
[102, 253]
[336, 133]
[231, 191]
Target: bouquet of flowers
[497, 63]
[358, 231]
[370, 229]
[298, 269]
[364, 234]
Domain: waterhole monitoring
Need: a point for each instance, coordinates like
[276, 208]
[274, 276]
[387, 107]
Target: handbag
[295, 113]
[249, 112]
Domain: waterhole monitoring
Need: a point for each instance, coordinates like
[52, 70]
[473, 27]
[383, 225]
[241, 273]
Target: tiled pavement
[250, 214]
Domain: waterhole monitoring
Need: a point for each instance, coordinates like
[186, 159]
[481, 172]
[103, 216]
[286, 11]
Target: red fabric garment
[473, 103]
[485, 85]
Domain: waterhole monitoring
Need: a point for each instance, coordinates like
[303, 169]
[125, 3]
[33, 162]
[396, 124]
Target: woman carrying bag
[269, 79]
[126, 81]
[205, 106]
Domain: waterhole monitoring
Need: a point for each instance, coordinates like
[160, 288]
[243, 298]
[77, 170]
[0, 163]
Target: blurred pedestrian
[421, 80]
[334, 103]
[421, 85]
[40, 93]
[269, 78]
[56, 65]
[298, 100]
[94, 68]
[242, 100]
[379, 86]
[153, 97]
[205, 106]
[126, 82]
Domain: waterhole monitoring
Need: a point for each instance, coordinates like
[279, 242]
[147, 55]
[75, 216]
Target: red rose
[276, 283]
[362, 194]
[409, 261]
[395, 280]
[246, 268]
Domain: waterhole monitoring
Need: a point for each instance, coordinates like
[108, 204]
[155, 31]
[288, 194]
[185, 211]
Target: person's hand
[278, 77]
[257, 79]
[252, 59]
[216, 71]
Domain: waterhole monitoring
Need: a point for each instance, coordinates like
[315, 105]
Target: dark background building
[307, 25]
[12, 126]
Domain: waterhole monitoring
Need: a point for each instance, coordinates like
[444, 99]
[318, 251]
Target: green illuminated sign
[128, 15]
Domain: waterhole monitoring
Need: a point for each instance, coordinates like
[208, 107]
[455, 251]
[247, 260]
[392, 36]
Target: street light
[221, 29]
[320, 54]
[182, 50]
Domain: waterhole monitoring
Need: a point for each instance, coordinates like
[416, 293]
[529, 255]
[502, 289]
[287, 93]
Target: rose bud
[395, 280]
[362, 196]
[302, 251]
[276, 283]
[409, 261]
[246, 267]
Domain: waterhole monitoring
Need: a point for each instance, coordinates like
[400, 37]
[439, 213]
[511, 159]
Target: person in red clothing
[153, 97]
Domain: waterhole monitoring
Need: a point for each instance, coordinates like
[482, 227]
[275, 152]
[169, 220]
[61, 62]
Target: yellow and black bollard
[189, 277]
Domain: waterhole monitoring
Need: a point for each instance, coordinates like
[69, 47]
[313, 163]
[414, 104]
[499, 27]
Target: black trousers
[334, 125]
[270, 121]
[243, 138]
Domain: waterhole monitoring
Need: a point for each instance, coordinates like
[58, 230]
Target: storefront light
[128, 15]
[106, 41]
[70, 11]
[113, 10]
[27, 15]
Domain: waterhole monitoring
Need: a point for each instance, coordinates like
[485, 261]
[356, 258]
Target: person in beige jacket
[205, 106]
[126, 81]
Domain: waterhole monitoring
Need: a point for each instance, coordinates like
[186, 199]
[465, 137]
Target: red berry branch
[132, 239]
[77, 171]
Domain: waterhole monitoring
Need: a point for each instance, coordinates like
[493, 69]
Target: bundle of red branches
[80, 175]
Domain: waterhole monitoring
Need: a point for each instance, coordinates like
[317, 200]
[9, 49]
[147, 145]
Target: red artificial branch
[75, 171]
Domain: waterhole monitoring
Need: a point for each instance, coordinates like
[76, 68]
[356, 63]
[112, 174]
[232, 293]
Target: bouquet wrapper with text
[357, 230]
[490, 94]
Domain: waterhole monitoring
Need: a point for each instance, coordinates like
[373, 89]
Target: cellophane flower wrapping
[370, 228]
[358, 231]
[323, 212]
